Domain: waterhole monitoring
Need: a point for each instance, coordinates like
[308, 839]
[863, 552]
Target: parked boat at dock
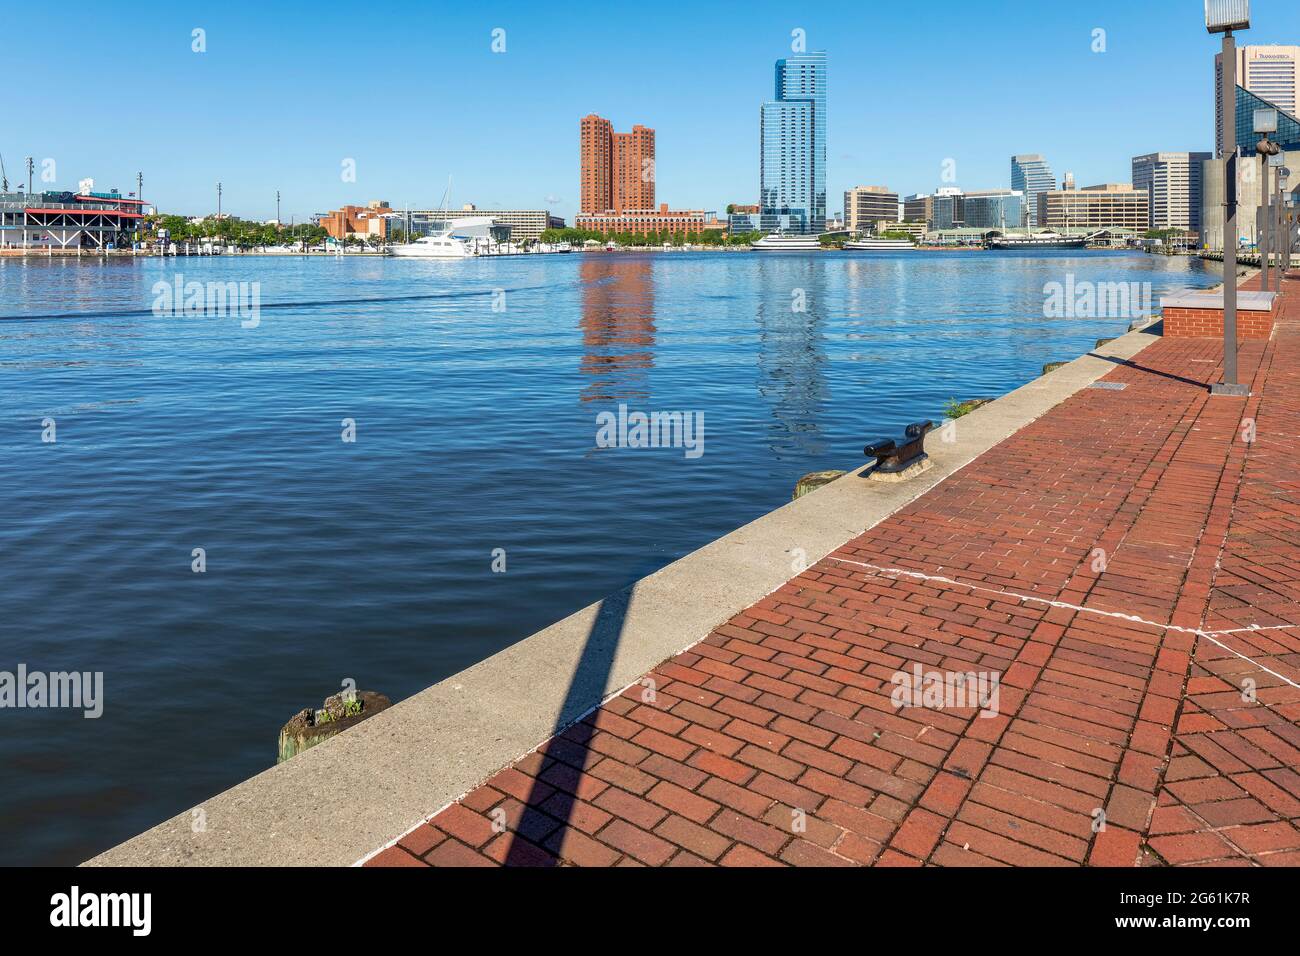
[776, 242]
[1042, 240]
[440, 246]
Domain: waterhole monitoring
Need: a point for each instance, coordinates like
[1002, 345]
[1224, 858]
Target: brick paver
[1106, 561]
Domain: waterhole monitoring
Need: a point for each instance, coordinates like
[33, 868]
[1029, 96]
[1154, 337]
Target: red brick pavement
[1130, 729]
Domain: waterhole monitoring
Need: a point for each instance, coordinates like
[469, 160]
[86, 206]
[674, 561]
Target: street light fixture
[1224, 16]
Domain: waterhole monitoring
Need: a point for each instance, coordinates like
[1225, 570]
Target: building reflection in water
[618, 329]
[792, 354]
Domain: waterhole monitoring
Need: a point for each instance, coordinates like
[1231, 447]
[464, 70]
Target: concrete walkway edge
[335, 804]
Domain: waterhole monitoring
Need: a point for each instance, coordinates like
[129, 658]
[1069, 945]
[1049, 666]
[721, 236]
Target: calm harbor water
[474, 387]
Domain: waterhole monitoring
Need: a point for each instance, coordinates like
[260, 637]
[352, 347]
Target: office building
[617, 169]
[993, 209]
[792, 144]
[1270, 72]
[1111, 205]
[948, 209]
[919, 207]
[1174, 186]
[864, 206]
[1031, 176]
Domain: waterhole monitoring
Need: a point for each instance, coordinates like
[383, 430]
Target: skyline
[438, 102]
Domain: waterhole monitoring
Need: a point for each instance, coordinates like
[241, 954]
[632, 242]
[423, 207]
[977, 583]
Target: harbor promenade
[1126, 566]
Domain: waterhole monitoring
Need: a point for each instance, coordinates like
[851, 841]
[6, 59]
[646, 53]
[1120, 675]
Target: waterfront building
[643, 221]
[1174, 186]
[918, 207]
[957, 236]
[1288, 126]
[1270, 72]
[617, 169]
[1248, 199]
[993, 209]
[1248, 179]
[365, 221]
[520, 225]
[1108, 205]
[864, 206]
[1032, 176]
[916, 230]
[63, 219]
[792, 148]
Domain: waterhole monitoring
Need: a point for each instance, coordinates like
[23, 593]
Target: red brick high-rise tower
[618, 169]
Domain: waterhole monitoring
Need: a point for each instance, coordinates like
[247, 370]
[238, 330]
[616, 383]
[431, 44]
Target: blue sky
[413, 93]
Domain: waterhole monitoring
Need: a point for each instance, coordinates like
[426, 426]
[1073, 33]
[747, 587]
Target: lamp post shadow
[548, 809]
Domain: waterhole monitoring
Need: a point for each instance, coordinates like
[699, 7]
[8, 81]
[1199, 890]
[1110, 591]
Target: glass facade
[1030, 175]
[792, 142]
[1000, 210]
[742, 222]
[1288, 127]
[948, 211]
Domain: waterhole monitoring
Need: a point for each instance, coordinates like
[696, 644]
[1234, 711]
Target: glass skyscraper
[1030, 175]
[792, 140]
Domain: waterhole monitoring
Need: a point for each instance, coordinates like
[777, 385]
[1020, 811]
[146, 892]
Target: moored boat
[1042, 240]
[776, 242]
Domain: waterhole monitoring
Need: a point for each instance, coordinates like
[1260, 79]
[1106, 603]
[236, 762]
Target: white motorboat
[441, 245]
[776, 242]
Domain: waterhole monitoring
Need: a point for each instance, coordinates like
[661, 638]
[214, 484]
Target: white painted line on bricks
[1211, 636]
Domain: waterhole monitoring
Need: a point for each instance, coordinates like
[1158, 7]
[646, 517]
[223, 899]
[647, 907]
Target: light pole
[1283, 234]
[277, 209]
[30, 166]
[1265, 123]
[218, 201]
[1224, 16]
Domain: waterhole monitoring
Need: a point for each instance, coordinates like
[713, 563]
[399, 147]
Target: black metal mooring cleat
[895, 455]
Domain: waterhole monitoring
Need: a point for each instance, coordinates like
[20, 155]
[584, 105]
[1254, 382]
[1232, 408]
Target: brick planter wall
[1208, 323]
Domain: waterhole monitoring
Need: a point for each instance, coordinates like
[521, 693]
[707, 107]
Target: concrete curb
[341, 801]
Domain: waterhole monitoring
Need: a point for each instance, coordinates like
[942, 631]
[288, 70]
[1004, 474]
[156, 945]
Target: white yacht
[880, 245]
[442, 245]
[776, 242]
[458, 239]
